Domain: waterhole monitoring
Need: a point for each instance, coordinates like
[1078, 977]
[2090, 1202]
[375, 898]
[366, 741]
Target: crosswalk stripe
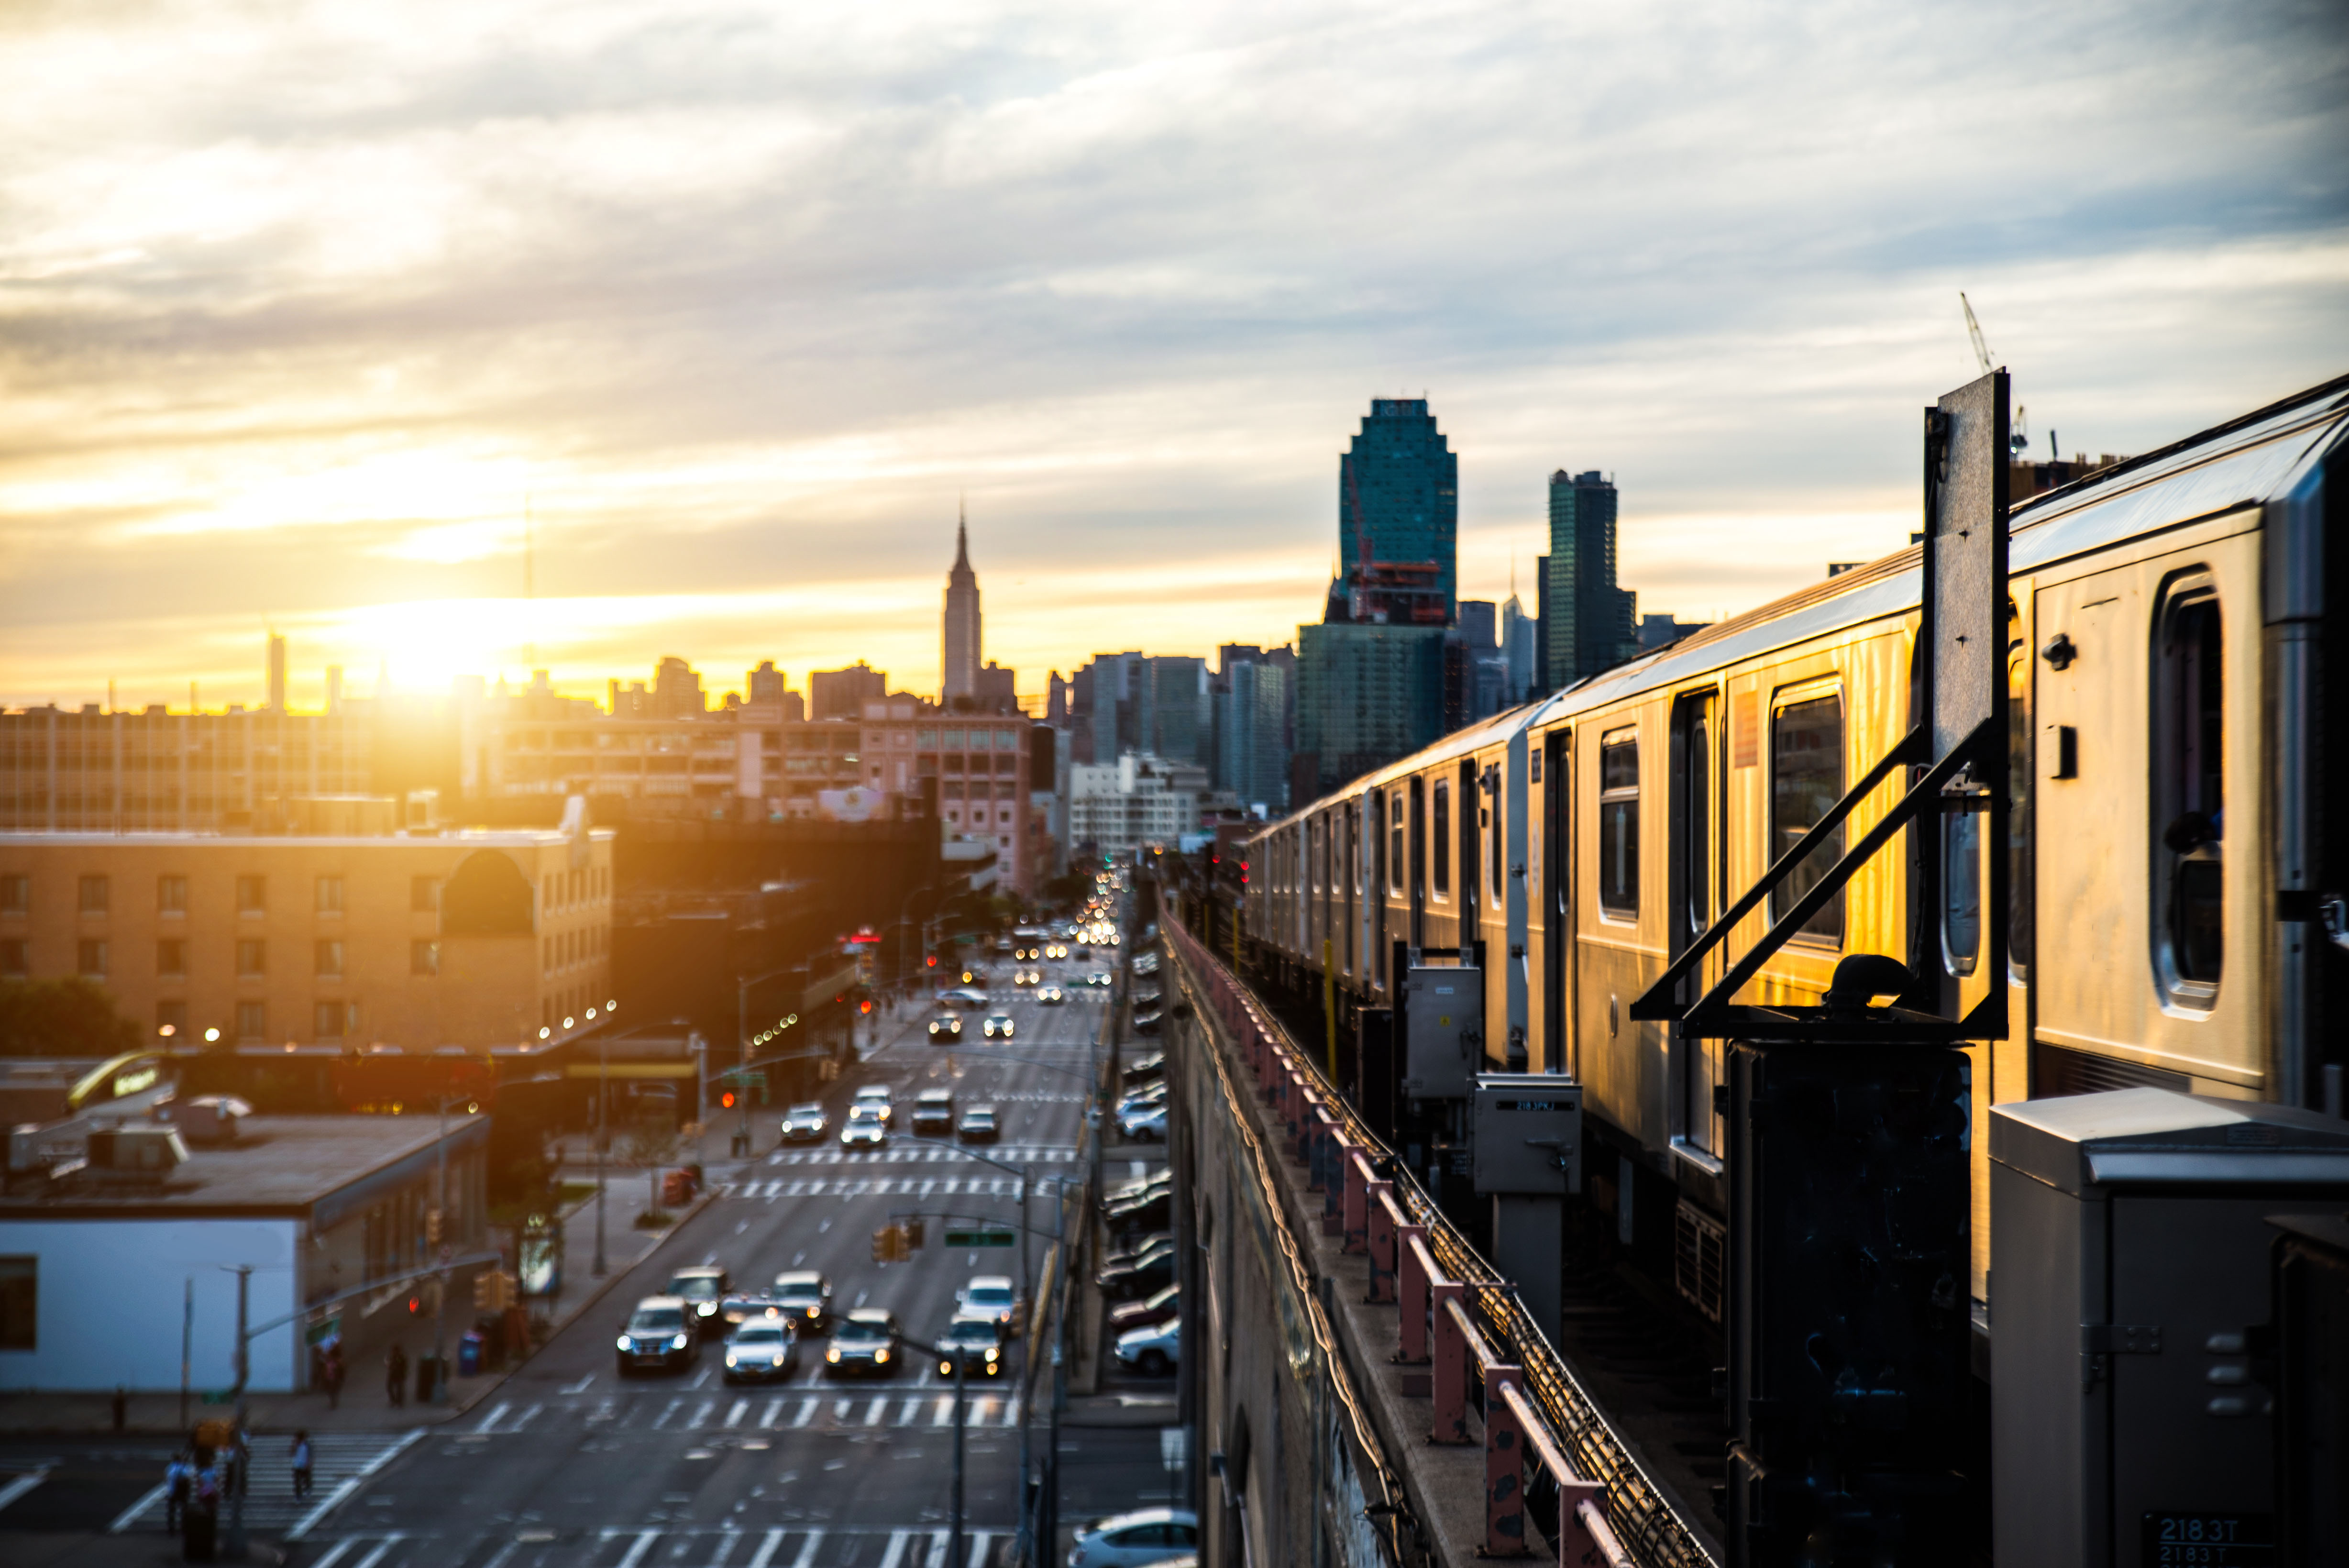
[662, 1425]
[727, 1542]
[806, 1558]
[644, 1543]
[878, 1408]
[767, 1548]
[488, 1423]
[895, 1557]
[701, 1415]
[807, 1412]
[905, 1415]
[335, 1552]
[527, 1416]
[734, 1417]
[382, 1548]
[772, 1414]
[943, 1416]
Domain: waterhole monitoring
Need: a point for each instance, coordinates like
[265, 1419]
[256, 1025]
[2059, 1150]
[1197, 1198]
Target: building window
[329, 960]
[331, 1020]
[16, 895]
[96, 895]
[252, 1021]
[2190, 805]
[1805, 782]
[171, 957]
[251, 895]
[1007, 740]
[170, 1019]
[251, 955]
[171, 895]
[1618, 824]
[90, 959]
[12, 958]
[20, 1302]
[423, 957]
[424, 894]
[330, 895]
[1440, 807]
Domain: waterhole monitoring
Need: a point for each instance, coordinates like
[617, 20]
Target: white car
[1144, 1122]
[1153, 1350]
[1052, 996]
[878, 1096]
[863, 1128]
[991, 1296]
[1135, 1539]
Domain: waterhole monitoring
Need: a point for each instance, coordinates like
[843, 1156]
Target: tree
[69, 1017]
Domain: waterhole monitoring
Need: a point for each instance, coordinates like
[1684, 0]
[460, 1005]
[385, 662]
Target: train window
[1805, 782]
[1441, 807]
[2018, 787]
[1962, 891]
[1394, 841]
[1618, 824]
[1696, 845]
[2189, 794]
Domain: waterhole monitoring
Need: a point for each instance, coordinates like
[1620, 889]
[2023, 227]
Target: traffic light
[889, 1244]
[494, 1291]
[726, 1099]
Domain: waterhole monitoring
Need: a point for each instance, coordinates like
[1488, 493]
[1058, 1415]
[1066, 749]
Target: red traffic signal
[726, 1099]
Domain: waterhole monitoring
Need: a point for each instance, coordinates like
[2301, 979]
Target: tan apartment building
[422, 941]
[155, 770]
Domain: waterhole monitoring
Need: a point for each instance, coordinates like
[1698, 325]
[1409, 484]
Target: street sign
[980, 1237]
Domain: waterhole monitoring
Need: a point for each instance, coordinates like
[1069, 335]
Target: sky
[449, 339]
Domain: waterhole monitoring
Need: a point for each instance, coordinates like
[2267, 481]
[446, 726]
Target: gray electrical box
[2129, 1248]
[1443, 1031]
[1528, 1130]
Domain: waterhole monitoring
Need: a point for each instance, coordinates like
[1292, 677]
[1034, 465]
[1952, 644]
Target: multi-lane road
[568, 1465]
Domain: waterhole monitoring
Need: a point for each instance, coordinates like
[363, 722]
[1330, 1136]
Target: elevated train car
[2177, 861]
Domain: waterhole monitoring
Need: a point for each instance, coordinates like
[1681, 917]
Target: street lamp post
[603, 1136]
[741, 1143]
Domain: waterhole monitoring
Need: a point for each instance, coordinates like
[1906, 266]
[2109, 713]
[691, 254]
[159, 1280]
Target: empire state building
[962, 621]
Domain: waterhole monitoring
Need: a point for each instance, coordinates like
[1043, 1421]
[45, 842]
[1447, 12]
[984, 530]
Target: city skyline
[361, 334]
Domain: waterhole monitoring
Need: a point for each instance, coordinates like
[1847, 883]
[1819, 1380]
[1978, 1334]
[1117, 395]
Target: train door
[1694, 882]
[1553, 767]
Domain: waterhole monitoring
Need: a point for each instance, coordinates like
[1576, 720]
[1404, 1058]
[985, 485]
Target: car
[805, 1124]
[977, 1125]
[1052, 996]
[1145, 1276]
[1153, 1213]
[876, 1095]
[1143, 1123]
[1148, 1067]
[739, 1307]
[1147, 1536]
[1147, 1246]
[993, 1296]
[806, 1296]
[1147, 1000]
[863, 1128]
[1152, 1350]
[970, 999]
[1056, 949]
[658, 1335]
[763, 1348]
[1027, 977]
[1100, 977]
[701, 1287]
[1147, 1094]
[976, 1341]
[864, 1344]
[1142, 1313]
[998, 1026]
[934, 1111]
[946, 1027]
[1148, 1022]
[1157, 1180]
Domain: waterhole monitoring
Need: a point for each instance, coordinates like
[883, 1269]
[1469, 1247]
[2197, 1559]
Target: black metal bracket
[1714, 1016]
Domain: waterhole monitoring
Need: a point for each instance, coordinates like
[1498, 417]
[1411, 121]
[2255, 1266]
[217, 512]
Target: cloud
[301, 307]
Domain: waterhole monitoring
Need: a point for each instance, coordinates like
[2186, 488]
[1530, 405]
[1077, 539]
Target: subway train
[2177, 862]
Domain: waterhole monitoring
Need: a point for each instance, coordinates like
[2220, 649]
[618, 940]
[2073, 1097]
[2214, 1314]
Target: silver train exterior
[2179, 722]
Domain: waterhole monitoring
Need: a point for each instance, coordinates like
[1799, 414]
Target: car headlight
[678, 1344]
[990, 1353]
[625, 1344]
[945, 1368]
[706, 1308]
[880, 1354]
[729, 1358]
[833, 1356]
[816, 1312]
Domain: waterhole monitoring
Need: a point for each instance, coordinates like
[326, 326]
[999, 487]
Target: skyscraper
[961, 619]
[1250, 704]
[1591, 624]
[1399, 499]
[276, 673]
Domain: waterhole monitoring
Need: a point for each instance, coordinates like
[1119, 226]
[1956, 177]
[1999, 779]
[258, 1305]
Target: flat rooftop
[491, 837]
[278, 1165]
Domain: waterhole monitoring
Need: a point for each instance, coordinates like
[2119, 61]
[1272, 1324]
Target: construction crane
[1973, 330]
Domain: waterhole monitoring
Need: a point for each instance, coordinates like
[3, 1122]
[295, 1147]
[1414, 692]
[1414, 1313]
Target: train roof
[2249, 460]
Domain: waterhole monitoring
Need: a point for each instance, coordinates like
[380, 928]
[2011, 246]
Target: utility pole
[603, 1136]
[244, 1372]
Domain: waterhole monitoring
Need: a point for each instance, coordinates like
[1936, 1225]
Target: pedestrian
[396, 1376]
[179, 1480]
[198, 1540]
[302, 1463]
[335, 1376]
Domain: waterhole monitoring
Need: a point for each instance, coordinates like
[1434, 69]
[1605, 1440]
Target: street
[568, 1463]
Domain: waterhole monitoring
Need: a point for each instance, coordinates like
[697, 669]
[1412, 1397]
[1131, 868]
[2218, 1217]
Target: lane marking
[488, 1423]
[124, 1520]
[23, 1484]
[644, 1543]
[702, 1378]
[328, 1503]
[527, 1416]
[577, 1389]
[381, 1548]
